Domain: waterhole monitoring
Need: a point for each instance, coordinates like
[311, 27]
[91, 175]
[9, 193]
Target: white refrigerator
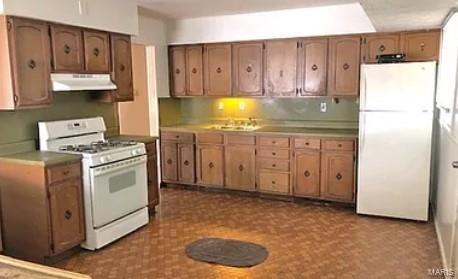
[395, 134]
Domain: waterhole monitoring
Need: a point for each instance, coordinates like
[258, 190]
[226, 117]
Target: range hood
[81, 82]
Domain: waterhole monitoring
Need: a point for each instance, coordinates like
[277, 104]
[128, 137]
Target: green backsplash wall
[19, 130]
[294, 110]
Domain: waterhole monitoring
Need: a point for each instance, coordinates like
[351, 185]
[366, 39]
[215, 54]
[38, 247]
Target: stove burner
[97, 146]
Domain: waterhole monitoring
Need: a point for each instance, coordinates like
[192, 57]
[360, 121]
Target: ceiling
[386, 15]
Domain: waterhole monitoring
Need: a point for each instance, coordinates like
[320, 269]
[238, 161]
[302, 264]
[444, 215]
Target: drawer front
[151, 149]
[273, 164]
[310, 143]
[215, 138]
[345, 145]
[241, 139]
[274, 141]
[274, 153]
[274, 182]
[63, 172]
[177, 136]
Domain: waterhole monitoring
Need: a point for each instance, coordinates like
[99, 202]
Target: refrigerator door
[394, 164]
[398, 87]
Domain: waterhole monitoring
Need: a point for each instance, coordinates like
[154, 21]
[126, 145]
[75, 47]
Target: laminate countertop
[40, 158]
[275, 130]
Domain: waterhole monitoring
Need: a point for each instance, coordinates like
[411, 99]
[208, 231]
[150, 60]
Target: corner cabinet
[45, 202]
[26, 63]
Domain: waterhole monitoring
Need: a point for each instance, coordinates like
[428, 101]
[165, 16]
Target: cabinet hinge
[298, 44]
[263, 91]
[15, 98]
[297, 90]
[263, 45]
[255, 152]
[9, 25]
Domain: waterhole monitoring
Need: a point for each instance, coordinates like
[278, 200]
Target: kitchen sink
[235, 128]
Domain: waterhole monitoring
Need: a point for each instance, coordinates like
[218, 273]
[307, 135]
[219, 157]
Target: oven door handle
[118, 166]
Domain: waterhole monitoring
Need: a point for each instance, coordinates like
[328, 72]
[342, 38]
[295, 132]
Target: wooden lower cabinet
[210, 165]
[153, 183]
[42, 209]
[307, 173]
[338, 176]
[240, 168]
[178, 162]
[186, 166]
[274, 182]
[169, 157]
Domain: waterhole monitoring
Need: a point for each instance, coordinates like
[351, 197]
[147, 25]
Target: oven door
[118, 189]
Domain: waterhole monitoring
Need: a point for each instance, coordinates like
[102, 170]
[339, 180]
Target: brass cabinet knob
[186, 163]
[314, 67]
[346, 66]
[339, 176]
[211, 165]
[382, 48]
[218, 70]
[306, 173]
[68, 214]
[241, 168]
[32, 64]
[67, 49]
[169, 161]
[96, 52]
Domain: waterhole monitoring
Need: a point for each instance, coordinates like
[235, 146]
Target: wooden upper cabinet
[344, 64]
[97, 51]
[25, 55]
[280, 67]
[247, 63]
[67, 49]
[338, 176]
[313, 67]
[217, 70]
[379, 44]
[121, 60]
[307, 173]
[240, 167]
[421, 46]
[194, 71]
[177, 59]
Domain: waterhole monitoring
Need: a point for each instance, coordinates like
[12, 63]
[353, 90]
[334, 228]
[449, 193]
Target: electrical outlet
[323, 107]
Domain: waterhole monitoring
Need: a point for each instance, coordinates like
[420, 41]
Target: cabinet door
[338, 182]
[30, 54]
[67, 49]
[169, 158]
[379, 44]
[66, 210]
[343, 73]
[186, 170]
[281, 67]
[314, 58]
[421, 46]
[121, 58]
[240, 167]
[217, 69]
[247, 63]
[153, 187]
[307, 173]
[210, 165]
[194, 71]
[97, 52]
[177, 71]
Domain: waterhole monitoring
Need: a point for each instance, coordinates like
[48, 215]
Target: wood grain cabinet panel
[240, 167]
[210, 165]
[421, 46]
[153, 187]
[313, 67]
[177, 56]
[280, 67]
[247, 63]
[97, 51]
[26, 74]
[67, 48]
[307, 173]
[186, 169]
[217, 70]
[121, 73]
[274, 182]
[379, 44]
[343, 72]
[169, 157]
[194, 71]
[337, 176]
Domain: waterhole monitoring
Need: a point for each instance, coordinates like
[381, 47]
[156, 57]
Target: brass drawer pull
[307, 143]
[274, 165]
[273, 182]
[274, 142]
[194, 71]
[382, 48]
[346, 66]
[96, 52]
[68, 214]
[169, 161]
[314, 67]
[67, 49]
[186, 163]
[306, 173]
[339, 145]
[211, 165]
[273, 153]
[177, 71]
[32, 64]
[249, 69]
[241, 168]
[218, 70]
[339, 176]
[66, 172]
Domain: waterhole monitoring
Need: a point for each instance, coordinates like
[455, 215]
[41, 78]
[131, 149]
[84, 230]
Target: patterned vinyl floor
[304, 241]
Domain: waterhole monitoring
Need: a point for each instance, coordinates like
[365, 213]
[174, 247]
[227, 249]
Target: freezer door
[398, 87]
[394, 164]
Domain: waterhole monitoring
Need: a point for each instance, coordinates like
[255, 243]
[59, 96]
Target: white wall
[339, 19]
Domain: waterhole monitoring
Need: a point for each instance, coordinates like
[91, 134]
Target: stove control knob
[134, 152]
[108, 158]
[102, 160]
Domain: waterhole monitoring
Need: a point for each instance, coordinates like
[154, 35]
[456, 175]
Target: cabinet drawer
[347, 145]
[151, 149]
[307, 143]
[63, 172]
[241, 139]
[273, 164]
[215, 138]
[274, 153]
[177, 136]
[274, 182]
[274, 141]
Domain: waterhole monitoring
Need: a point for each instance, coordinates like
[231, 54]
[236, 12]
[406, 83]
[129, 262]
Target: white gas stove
[114, 177]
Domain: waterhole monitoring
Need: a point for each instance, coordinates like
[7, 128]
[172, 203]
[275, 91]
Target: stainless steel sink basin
[234, 128]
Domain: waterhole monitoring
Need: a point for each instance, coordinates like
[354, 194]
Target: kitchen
[130, 134]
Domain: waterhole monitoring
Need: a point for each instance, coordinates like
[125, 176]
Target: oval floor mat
[227, 252]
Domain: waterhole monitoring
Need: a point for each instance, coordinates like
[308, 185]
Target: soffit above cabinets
[385, 15]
